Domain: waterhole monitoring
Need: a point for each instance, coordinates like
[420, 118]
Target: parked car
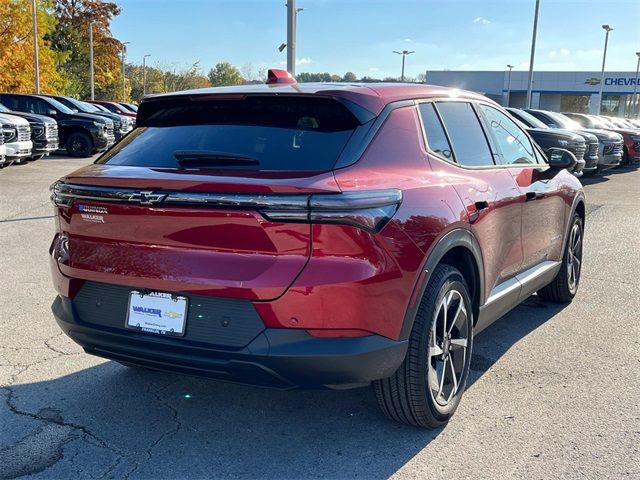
[44, 132]
[121, 124]
[621, 122]
[17, 139]
[79, 133]
[130, 106]
[114, 107]
[302, 235]
[3, 149]
[630, 136]
[610, 144]
[548, 138]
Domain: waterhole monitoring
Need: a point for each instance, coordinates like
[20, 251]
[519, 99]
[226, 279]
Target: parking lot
[554, 390]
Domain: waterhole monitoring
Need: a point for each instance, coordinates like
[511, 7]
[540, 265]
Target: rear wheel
[426, 390]
[565, 285]
[79, 144]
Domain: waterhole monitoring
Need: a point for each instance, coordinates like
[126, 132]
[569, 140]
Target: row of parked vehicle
[598, 142]
[32, 126]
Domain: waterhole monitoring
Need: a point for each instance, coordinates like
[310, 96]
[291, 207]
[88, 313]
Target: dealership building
[557, 91]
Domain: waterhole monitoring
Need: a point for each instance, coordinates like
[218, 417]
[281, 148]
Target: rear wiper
[203, 157]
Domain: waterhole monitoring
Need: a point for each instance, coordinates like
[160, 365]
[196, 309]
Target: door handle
[533, 196]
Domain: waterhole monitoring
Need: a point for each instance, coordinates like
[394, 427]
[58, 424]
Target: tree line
[63, 44]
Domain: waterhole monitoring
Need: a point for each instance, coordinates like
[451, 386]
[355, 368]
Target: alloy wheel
[448, 345]
[574, 257]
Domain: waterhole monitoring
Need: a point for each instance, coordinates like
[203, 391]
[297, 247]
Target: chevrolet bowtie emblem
[147, 198]
[592, 81]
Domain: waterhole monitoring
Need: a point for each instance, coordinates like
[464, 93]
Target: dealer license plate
[157, 312]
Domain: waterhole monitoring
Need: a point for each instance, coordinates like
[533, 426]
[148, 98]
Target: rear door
[192, 199]
[488, 191]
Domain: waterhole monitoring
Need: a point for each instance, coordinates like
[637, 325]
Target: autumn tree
[225, 74]
[17, 70]
[72, 38]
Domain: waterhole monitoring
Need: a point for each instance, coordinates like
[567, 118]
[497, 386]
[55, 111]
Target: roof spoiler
[276, 75]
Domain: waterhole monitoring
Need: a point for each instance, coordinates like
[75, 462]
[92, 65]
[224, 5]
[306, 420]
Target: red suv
[312, 235]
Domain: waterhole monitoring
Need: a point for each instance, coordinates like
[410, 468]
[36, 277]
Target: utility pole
[533, 54]
[636, 110]
[607, 29]
[404, 53]
[93, 82]
[510, 67]
[36, 63]
[144, 74]
[292, 26]
[124, 79]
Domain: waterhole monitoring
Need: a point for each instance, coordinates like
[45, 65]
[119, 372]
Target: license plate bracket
[158, 313]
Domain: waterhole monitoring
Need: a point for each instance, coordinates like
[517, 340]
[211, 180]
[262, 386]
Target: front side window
[468, 140]
[515, 147]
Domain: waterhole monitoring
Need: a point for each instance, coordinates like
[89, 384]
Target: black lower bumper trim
[277, 358]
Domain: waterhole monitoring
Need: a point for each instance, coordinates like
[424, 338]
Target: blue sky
[337, 36]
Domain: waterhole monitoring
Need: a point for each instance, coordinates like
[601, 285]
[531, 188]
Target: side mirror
[52, 113]
[560, 158]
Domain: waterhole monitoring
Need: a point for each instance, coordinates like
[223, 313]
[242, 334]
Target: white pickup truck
[17, 139]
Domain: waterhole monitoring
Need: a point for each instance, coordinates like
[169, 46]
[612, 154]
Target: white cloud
[299, 61]
[563, 52]
[408, 40]
[481, 20]
[374, 69]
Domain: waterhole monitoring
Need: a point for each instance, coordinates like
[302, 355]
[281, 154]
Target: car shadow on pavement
[163, 425]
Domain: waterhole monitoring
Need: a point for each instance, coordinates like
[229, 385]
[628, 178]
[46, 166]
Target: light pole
[636, 110]
[404, 53]
[510, 67]
[124, 80]
[144, 74]
[91, 71]
[292, 26]
[36, 63]
[607, 29]
[533, 53]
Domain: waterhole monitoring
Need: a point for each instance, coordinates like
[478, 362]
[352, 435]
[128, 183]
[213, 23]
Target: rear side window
[469, 143]
[276, 132]
[436, 137]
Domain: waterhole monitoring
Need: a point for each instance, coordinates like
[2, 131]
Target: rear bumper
[277, 358]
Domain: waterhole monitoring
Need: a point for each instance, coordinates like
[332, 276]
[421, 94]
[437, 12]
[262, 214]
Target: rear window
[278, 132]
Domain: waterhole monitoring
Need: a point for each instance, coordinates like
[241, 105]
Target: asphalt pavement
[554, 390]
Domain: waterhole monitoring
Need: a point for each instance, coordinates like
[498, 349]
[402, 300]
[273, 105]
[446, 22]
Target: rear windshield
[276, 132]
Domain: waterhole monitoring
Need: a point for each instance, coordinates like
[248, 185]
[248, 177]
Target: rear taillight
[369, 210]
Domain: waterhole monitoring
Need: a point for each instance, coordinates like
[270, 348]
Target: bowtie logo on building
[592, 81]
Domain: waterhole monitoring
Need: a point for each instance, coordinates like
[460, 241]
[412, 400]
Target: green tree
[225, 74]
[349, 77]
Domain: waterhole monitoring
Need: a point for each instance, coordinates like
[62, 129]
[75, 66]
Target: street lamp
[607, 29]
[533, 54]
[292, 26]
[91, 70]
[144, 74]
[36, 64]
[124, 80]
[635, 89]
[404, 53]
[510, 67]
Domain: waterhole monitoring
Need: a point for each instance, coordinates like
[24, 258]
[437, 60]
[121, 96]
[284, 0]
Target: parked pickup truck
[44, 132]
[80, 134]
[17, 138]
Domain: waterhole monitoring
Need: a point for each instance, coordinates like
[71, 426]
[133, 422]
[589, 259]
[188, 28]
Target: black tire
[79, 145]
[408, 395]
[565, 284]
